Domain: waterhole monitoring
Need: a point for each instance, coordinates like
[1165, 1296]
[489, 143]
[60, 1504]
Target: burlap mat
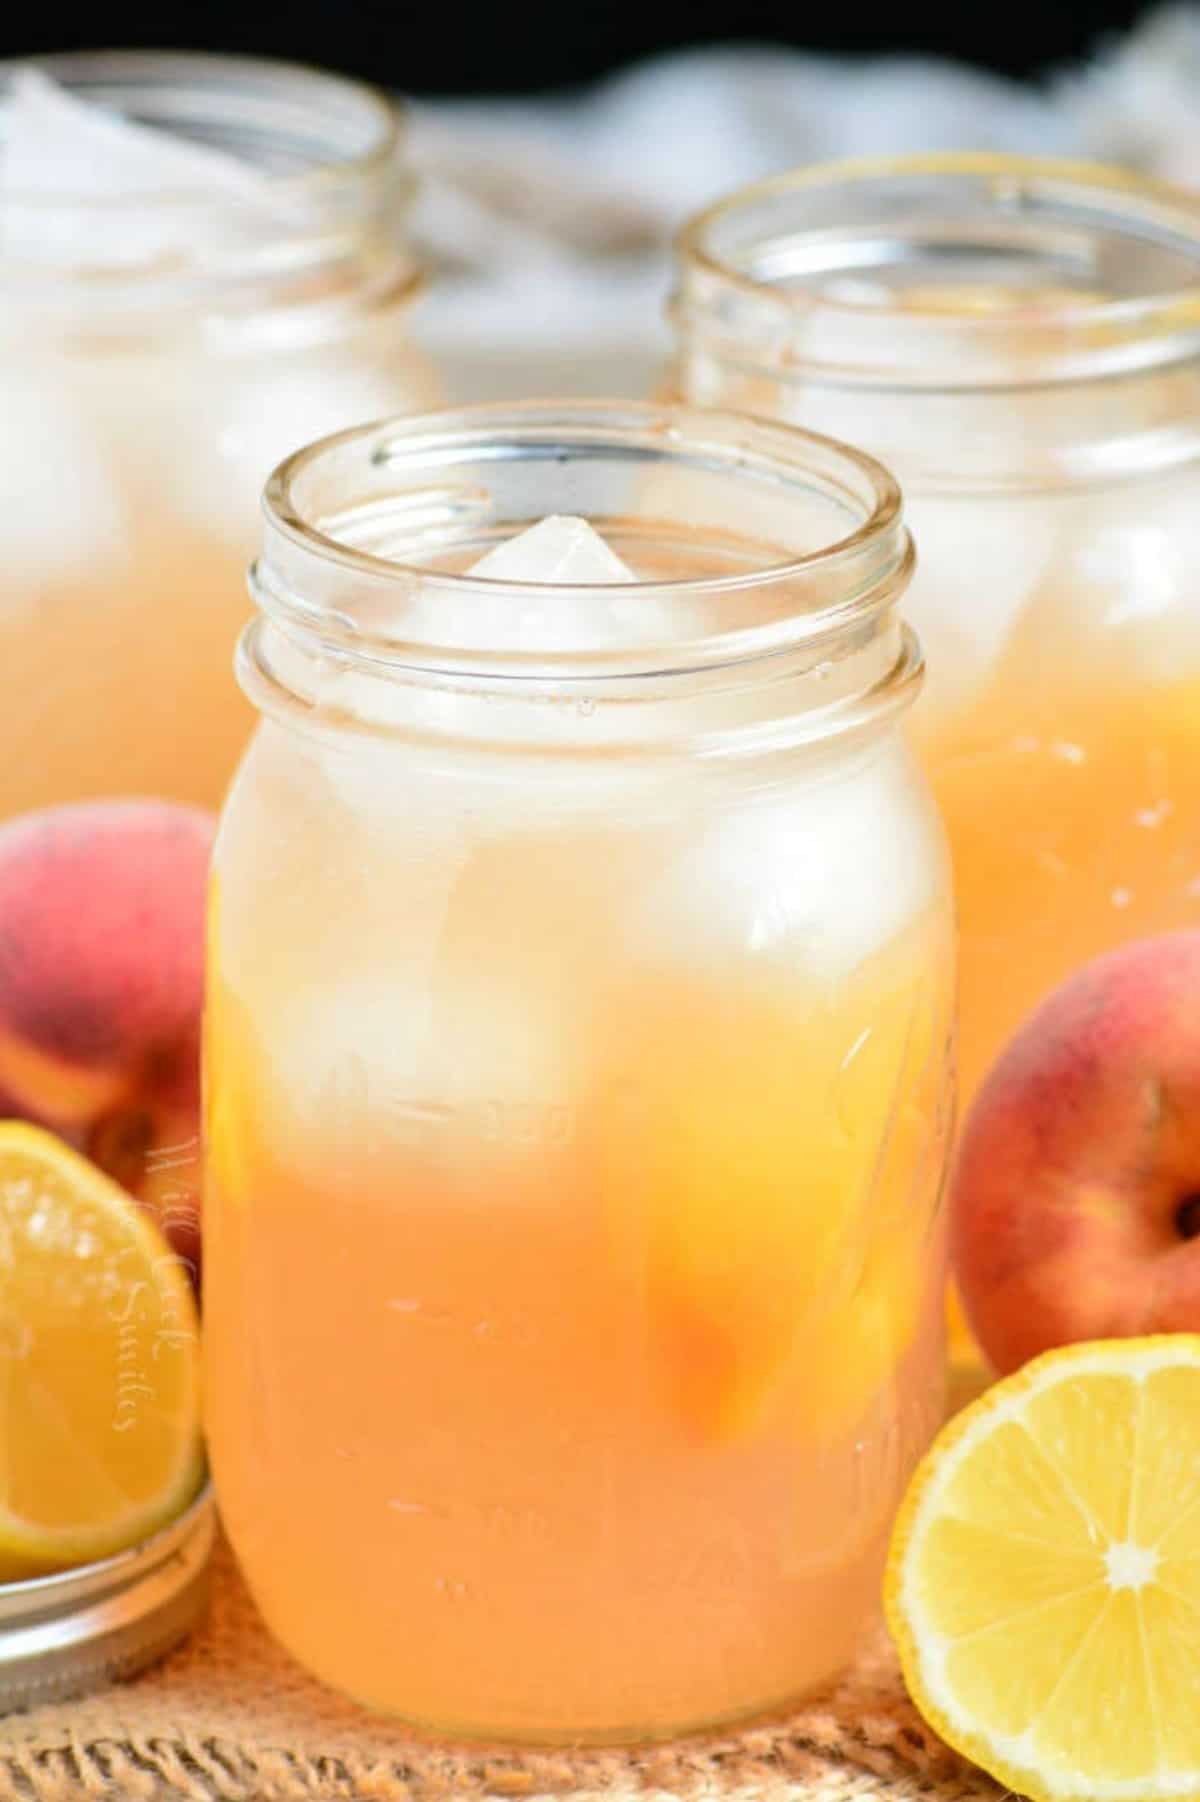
[229, 1718]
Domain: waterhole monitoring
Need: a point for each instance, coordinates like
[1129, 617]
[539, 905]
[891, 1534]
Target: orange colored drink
[656, 1380]
[577, 1109]
[1076, 817]
[119, 679]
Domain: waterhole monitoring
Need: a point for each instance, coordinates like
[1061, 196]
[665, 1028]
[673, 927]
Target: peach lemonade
[1018, 341]
[220, 279]
[576, 1070]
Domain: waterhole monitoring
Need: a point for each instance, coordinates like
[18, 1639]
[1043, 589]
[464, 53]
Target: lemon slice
[1044, 1579]
[99, 1392]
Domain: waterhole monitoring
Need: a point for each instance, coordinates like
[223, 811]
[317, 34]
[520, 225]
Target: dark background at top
[429, 47]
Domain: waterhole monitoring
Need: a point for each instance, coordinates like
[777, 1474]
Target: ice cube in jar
[1018, 342]
[201, 268]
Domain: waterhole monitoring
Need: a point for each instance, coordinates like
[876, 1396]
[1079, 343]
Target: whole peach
[1076, 1198]
[101, 984]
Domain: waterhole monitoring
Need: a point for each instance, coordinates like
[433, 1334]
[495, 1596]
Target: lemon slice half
[1044, 1578]
[99, 1388]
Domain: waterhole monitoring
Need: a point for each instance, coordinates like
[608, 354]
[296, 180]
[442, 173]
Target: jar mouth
[294, 122]
[945, 271]
[315, 168]
[746, 538]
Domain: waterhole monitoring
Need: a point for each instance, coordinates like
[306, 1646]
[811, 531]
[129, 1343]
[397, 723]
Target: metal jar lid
[82, 1628]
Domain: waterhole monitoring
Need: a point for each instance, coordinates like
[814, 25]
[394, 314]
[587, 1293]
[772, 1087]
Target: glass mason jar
[1020, 343]
[158, 355]
[576, 1073]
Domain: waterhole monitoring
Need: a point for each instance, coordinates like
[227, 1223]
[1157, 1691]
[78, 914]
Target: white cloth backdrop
[549, 222]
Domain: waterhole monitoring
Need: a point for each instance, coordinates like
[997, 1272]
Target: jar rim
[1080, 336]
[384, 118]
[313, 186]
[867, 567]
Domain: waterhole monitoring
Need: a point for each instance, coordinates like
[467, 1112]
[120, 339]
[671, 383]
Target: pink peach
[101, 983]
[1076, 1198]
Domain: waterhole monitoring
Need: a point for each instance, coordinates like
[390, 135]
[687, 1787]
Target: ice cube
[243, 413]
[818, 877]
[456, 1035]
[981, 562]
[1121, 606]
[532, 610]
[981, 556]
[64, 152]
[560, 551]
[64, 512]
[560, 548]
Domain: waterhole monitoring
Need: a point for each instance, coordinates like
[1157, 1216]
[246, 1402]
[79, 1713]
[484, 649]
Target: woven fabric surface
[230, 1718]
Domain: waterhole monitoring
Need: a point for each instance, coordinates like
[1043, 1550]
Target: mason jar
[576, 1060]
[158, 355]
[1020, 342]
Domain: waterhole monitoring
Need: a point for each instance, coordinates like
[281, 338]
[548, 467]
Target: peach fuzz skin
[101, 986]
[1076, 1198]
